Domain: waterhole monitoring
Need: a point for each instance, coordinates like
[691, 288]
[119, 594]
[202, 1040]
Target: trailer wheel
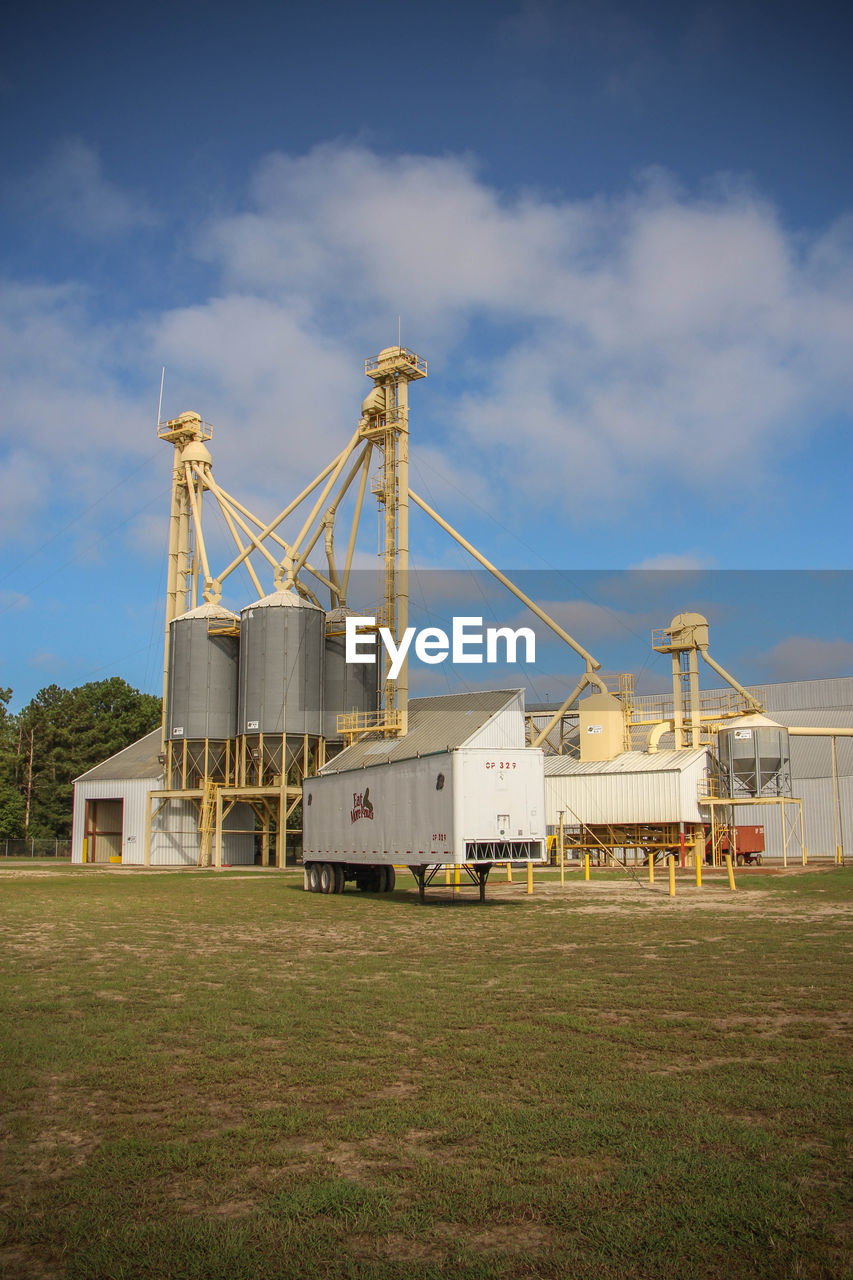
[313, 878]
[390, 879]
[327, 877]
[758, 859]
[340, 877]
[739, 859]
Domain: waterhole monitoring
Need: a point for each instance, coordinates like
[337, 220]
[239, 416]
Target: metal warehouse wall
[620, 796]
[811, 703]
[174, 834]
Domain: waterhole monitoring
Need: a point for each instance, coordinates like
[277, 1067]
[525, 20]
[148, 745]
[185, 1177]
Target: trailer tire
[739, 860]
[758, 859]
[313, 878]
[390, 880]
[340, 877]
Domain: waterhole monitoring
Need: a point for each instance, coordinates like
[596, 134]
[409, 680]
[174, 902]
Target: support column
[146, 852]
[695, 722]
[178, 564]
[677, 709]
[217, 831]
[402, 388]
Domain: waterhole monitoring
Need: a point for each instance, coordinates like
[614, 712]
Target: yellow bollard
[586, 866]
[730, 870]
[530, 877]
[698, 870]
[651, 866]
[456, 876]
[447, 874]
[671, 861]
[509, 873]
[838, 856]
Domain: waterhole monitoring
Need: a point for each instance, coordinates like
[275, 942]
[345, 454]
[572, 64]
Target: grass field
[222, 1076]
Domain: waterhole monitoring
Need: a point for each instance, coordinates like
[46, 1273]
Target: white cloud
[69, 187]
[657, 339]
[73, 438]
[283, 398]
[20, 492]
[651, 334]
[806, 658]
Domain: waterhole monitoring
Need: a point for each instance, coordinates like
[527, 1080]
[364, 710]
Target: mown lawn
[222, 1076]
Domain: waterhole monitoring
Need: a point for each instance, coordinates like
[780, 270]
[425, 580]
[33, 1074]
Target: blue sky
[621, 234]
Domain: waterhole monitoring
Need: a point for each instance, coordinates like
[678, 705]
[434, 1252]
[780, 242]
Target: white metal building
[827, 805]
[635, 787]
[109, 815]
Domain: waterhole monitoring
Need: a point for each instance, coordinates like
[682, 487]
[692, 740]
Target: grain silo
[347, 686]
[282, 639]
[755, 757]
[203, 666]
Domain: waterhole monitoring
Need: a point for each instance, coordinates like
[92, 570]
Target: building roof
[139, 760]
[435, 724]
[627, 762]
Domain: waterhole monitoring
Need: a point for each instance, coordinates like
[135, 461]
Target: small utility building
[635, 787]
[110, 803]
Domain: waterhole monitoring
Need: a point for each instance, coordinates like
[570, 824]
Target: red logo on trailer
[361, 806]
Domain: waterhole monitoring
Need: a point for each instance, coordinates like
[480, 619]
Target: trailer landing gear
[478, 875]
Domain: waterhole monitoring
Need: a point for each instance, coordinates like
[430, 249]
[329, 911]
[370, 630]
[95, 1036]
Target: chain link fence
[35, 847]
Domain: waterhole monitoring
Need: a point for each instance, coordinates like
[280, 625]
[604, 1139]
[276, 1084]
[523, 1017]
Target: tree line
[59, 735]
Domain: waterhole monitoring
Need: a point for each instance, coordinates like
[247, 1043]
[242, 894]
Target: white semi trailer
[466, 805]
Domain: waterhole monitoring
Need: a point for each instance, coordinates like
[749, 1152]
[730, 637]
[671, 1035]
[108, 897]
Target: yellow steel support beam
[592, 665]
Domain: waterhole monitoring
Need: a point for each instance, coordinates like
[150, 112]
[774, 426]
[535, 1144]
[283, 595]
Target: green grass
[222, 1076]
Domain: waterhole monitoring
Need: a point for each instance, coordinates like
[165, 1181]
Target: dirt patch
[20, 1262]
[677, 1066]
[590, 1168]
[395, 1247]
[501, 1238]
[350, 1160]
[834, 1024]
[62, 1148]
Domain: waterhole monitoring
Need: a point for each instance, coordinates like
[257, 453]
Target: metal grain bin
[203, 665]
[348, 686]
[282, 640]
[755, 757]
